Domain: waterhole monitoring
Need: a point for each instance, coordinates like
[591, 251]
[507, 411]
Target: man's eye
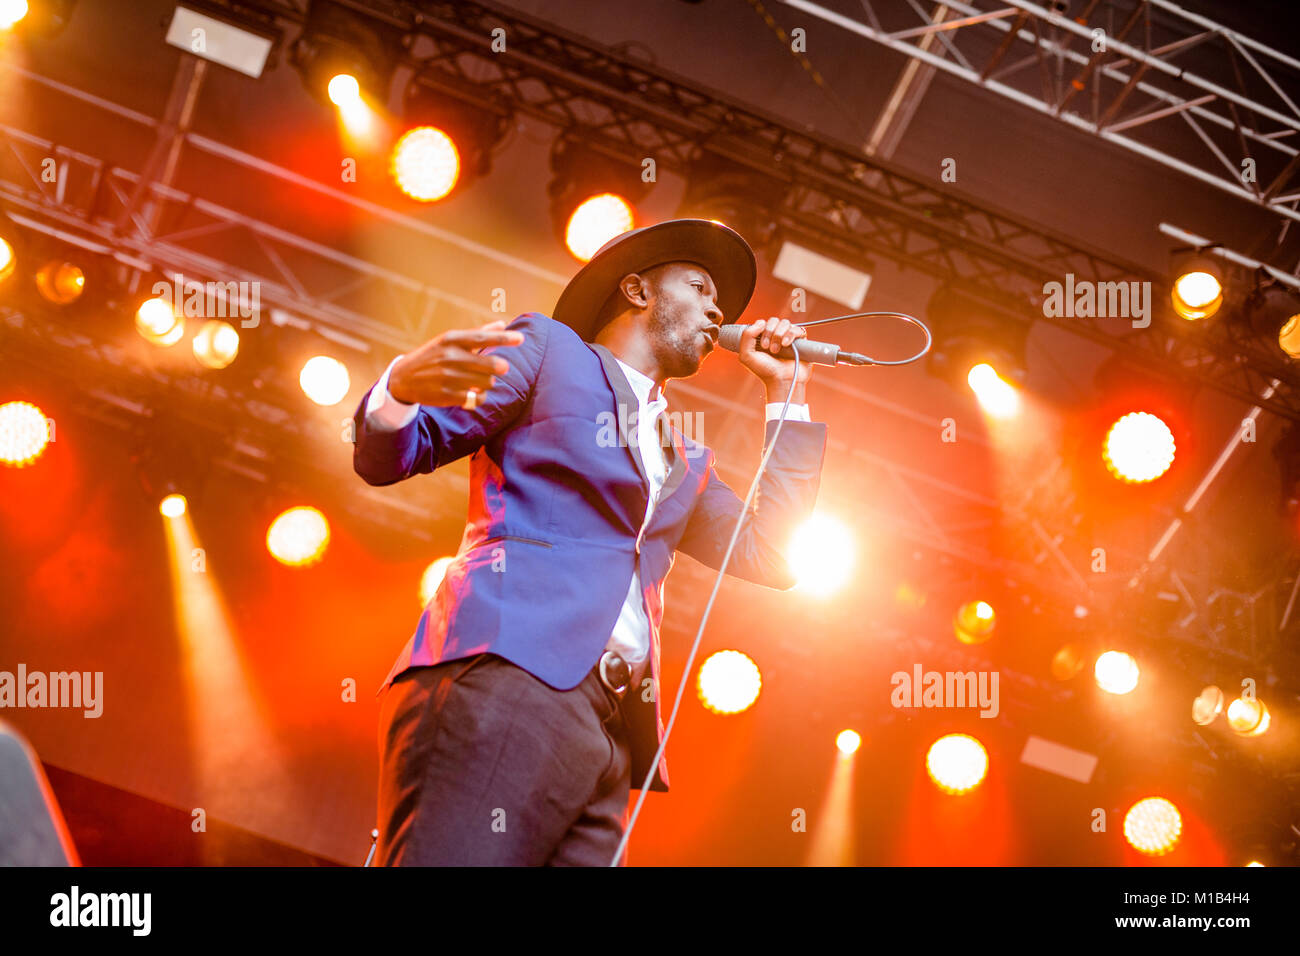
[698, 285]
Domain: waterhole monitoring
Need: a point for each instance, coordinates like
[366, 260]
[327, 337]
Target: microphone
[818, 353]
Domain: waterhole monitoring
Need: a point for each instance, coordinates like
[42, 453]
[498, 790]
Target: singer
[525, 705]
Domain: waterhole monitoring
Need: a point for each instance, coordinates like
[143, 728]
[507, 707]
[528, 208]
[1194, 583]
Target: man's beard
[678, 357]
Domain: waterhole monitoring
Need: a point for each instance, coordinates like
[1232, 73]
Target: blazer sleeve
[439, 435]
[786, 495]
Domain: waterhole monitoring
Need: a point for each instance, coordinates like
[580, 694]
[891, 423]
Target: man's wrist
[777, 391]
[394, 382]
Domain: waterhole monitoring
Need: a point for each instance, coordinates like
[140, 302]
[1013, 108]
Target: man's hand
[758, 345]
[444, 370]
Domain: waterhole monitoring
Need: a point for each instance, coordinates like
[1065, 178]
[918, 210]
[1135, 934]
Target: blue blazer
[556, 503]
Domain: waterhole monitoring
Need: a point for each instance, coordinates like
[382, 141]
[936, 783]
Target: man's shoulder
[549, 333]
[543, 323]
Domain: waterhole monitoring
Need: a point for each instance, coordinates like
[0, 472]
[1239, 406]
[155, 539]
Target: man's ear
[635, 288]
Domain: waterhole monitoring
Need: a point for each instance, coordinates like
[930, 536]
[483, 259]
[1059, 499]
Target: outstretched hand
[447, 368]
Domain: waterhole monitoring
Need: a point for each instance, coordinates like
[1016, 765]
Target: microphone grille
[729, 336]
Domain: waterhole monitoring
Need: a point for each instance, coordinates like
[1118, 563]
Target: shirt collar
[641, 383]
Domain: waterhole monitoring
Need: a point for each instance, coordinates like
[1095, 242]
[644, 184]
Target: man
[526, 704]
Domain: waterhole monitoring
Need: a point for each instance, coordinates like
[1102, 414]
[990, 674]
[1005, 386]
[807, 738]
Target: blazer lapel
[676, 454]
[627, 403]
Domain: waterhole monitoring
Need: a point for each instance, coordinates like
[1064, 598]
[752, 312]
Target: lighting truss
[1115, 70]
[853, 204]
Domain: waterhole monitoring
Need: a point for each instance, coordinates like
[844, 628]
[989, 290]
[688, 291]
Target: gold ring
[471, 400]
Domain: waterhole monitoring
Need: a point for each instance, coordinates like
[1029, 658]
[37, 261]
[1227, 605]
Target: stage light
[995, 394]
[24, 434]
[425, 164]
[455, 127]
[298, 537]
[325, 380]
[1067, 662]
[957, 763]
[595, 222]
[12, 246]
[591, 197]
[344, 90]
[728, 682]
[216, 344]
[44, 19]
[173, 506]
[977, 346]
[1116, 672]
[1207, 705]
[1254, 863]
[821, 555]
[11, 11]
[1272, 312]
[158, 322]
[432, 579]
[1138, 448]
[848, 742]
[8, 259]
[974, 622]
[60, 282]
[337, 42]
[1197, 289]
[1152, 826]
[1248, 716]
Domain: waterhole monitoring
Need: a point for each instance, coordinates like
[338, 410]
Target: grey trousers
[482, 764]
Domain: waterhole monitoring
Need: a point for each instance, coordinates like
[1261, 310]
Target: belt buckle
[608, 660]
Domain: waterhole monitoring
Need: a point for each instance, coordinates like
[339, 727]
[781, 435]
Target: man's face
[683, 307]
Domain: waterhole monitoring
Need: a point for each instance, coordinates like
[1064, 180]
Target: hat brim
[718, 248]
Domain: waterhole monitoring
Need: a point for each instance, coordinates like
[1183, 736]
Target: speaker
[32, 830]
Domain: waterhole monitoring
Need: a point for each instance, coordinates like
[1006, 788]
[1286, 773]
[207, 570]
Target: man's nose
[714, 314]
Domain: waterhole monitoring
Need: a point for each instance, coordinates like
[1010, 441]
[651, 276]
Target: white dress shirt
[631, 635]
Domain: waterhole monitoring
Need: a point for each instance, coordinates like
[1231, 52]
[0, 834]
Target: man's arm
[786, 495]
[395, 439]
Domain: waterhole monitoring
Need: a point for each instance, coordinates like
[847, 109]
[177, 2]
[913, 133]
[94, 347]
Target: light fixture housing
[476, 120]
[580, 172]
[1272, 312]
[336, 39]
[968, 332]
[1196, 287]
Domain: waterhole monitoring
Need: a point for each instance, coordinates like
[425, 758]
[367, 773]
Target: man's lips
[710, 332]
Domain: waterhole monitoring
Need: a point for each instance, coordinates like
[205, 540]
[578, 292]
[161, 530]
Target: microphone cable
[859, 359]
[731, 545]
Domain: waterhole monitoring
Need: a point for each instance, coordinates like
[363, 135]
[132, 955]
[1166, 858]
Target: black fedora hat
[719, 249]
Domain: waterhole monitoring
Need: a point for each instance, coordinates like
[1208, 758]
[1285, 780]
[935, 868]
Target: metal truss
[1113, 70]
[163, 235]
[243, 432]
[848, 202]
[829, 194]
[95, 196]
